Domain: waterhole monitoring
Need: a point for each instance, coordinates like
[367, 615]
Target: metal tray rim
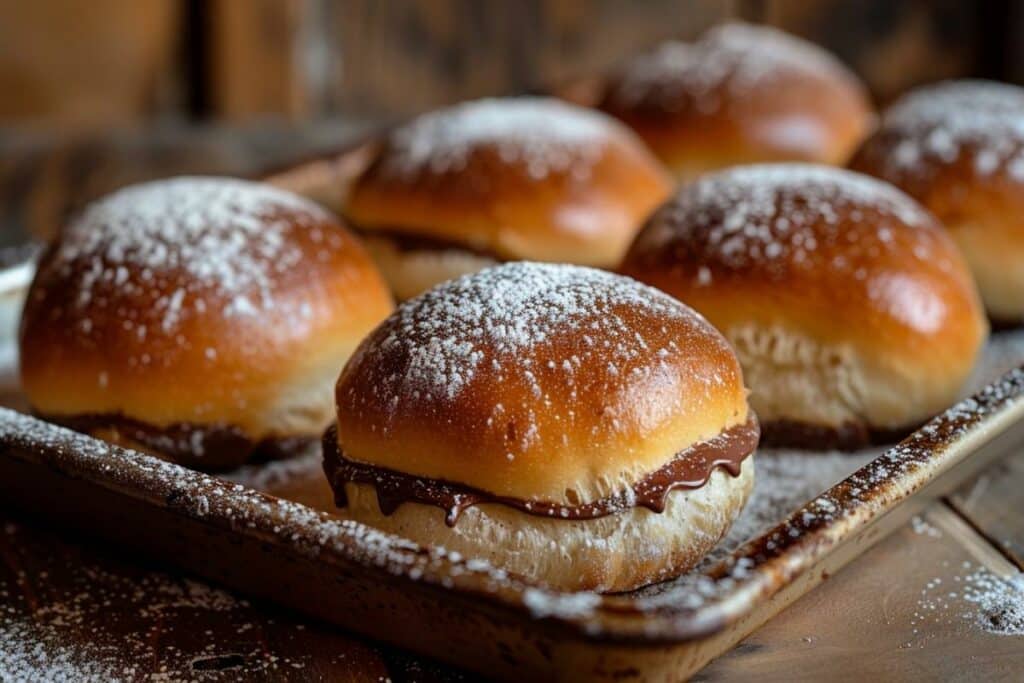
[753, 573]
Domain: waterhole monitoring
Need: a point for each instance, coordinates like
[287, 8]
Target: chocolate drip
[209, 446]
[689, 469]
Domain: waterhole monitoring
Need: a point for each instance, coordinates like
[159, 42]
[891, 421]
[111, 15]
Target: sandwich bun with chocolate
[852, 312]
[196, 318]
[740, 94]
[495, 180]
[569, 425]
[958, 148]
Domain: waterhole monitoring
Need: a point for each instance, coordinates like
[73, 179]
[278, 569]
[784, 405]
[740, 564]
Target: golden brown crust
[741, 94]
[199, 300]
[845, 301]
[520, 178]
[537, 382]
[958, 148]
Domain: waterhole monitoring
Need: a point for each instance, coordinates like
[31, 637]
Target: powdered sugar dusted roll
[197, 318]
[496, 180]
[958, 148]
[570, 425]
[741, 94]
[853, 314]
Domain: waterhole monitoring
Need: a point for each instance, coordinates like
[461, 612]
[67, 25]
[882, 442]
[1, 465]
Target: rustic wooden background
[98, 94]
[104, 63]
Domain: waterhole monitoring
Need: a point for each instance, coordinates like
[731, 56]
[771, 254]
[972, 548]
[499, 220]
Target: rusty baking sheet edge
[753, 574]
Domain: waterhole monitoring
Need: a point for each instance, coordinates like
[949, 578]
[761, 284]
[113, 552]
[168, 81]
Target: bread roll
[197, 318]
[741, 94]
[958, 148]
[496, 180]
[852, 313]
[569, 425]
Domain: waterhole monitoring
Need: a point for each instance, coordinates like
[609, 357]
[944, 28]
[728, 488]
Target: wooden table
[68, 606]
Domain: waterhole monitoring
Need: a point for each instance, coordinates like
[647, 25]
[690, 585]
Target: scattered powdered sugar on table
[922, 527]
[82, 615]
[544, 135]
[728, 64]
[998, 602]
[978, 598]
[937, 125]
[190, 243]
[776, 216]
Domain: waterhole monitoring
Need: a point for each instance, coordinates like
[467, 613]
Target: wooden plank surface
[405, 56]
[994, 506]
[901, 612]
[67, 64]
[71, 611]
[45, 178]
[254, 64]
[887, 616]
[71, 64]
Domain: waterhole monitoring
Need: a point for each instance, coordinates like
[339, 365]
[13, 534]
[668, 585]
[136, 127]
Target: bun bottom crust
[811, 395]
[411, 271]
[618, 552]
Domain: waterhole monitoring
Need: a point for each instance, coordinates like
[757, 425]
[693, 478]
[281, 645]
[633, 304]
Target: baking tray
[271, 531]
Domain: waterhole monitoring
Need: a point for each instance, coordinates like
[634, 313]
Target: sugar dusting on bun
[505, 179]
[740, 94]
[538, 136]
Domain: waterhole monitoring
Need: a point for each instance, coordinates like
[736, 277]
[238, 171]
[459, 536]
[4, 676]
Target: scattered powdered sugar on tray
[307, 532]
[777, 216]
[728, 64]
[544, 135]
[266, 476]
[784, 481]
[543, 603]
[938, 125]
[190, 244]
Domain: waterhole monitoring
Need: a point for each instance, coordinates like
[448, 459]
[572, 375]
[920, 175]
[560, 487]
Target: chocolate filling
[214, 446]
[689, 469]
